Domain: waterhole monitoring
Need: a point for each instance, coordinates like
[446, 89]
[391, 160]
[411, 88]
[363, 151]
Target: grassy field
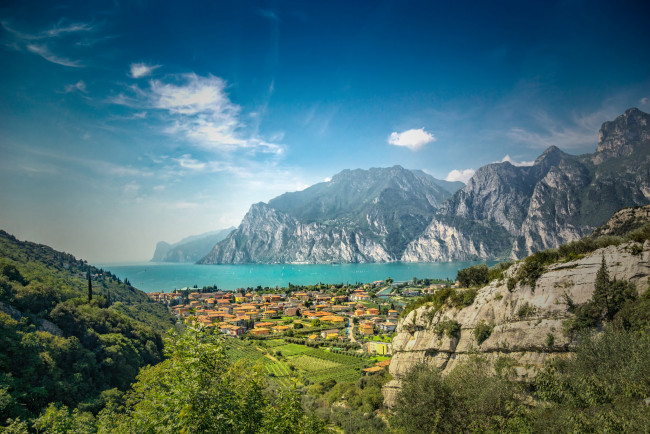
[295, 361]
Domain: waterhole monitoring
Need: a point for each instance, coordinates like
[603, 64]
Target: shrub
[476, 275]
[449, 327]
[483, 331]
[497, 272]
[526, 310]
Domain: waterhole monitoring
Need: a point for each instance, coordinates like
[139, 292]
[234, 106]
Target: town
[361, 317]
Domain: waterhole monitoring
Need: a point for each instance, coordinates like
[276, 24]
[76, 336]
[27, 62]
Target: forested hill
[55, 344]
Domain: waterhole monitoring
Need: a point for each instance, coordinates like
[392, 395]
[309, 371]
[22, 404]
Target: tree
[611, 295]
[90, 287]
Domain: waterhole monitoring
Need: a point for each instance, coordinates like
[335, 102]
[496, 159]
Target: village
[360, 318]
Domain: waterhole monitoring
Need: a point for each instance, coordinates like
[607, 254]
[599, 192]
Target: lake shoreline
[165, 277]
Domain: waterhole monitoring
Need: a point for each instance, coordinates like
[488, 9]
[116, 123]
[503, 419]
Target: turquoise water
[150, 276]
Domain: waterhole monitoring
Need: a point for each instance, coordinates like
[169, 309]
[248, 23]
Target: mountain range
[395, 214]
[189, 249]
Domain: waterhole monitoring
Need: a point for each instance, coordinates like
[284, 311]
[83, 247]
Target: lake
[151, 276]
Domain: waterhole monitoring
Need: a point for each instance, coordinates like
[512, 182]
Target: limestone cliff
[527, 324]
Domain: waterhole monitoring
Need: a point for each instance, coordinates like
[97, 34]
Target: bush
[497, 272]
[483, 331]
[449, 327]
[526, 310]
[477, 275]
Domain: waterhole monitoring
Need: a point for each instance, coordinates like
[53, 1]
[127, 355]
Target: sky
[126, 123]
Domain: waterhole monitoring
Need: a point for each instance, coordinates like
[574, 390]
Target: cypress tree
[601, 289]
[90, 287]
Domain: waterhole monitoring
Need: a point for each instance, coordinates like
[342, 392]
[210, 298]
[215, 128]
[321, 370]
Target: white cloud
[198, 109]
[460, 175]
[643, 101]
[46, 54]
[139, 70]
[187, 162]
[515, 163]
[80, 86]
[413, 139]
[328, 179]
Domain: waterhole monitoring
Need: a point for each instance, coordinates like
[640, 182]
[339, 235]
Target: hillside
[55, 345]
[531, 311]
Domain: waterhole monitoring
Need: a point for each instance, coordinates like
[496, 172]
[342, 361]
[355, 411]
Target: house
[378, 347]
[387, 327]
[366, 329]
[373, 370]
[359, 312]
[292, 311]
[372, 311]
[280, 328]
[326, 334]
[259, 332]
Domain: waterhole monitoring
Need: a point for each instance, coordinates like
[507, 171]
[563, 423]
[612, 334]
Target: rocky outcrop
[528, 325]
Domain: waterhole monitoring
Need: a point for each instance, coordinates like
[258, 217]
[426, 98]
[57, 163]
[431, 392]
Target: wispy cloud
[413, 139]
[460, 175]
[41, 42]
[139, 70]
[45, 53]
[198, 109]
[578, 131]
[78, 86]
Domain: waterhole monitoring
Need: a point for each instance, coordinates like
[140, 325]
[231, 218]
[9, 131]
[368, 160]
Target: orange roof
[384, 363]
[374, 369]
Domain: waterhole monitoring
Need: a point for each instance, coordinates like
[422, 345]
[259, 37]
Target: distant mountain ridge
[358, 216]
[394, 214]
[189, 249]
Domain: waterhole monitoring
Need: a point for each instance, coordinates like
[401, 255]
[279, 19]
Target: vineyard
[286, 363]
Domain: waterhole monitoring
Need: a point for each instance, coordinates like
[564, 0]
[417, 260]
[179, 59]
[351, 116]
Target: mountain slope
[358, 216]
[189, 249]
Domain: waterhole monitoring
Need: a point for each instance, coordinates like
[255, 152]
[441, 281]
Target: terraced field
[313, 364]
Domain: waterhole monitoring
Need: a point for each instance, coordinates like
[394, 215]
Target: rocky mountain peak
[620, 137]
[550, 157]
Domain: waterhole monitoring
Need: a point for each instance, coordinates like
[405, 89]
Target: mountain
[189, 249]
[358, 216]
[560, 198]
[394, 214]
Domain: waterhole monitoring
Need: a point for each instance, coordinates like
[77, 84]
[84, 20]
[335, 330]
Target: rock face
[527, 324]
[560, 198]
[358, 216]
[394, 214]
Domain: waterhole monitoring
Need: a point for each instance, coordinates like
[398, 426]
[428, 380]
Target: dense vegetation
[196, 389]
[56, 345]
[442, 297]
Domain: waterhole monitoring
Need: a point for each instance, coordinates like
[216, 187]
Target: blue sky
[126, 123]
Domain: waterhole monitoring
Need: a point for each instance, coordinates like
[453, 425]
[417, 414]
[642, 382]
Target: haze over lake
[150, 276]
